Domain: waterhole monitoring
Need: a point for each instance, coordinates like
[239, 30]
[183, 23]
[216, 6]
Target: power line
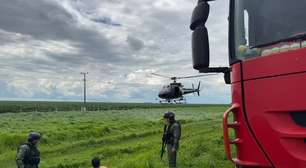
[84, 79]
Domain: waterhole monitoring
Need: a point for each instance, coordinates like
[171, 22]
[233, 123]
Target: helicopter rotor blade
[162, 76]
[193, 89]
[199, 88]
[195, 76]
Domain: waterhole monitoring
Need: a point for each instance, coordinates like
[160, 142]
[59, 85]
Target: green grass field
[123, 138]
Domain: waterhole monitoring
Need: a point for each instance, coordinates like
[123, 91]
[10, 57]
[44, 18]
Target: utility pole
[84, 80]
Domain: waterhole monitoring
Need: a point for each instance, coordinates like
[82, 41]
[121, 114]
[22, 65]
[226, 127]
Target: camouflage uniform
[28, 156]
[174, 132]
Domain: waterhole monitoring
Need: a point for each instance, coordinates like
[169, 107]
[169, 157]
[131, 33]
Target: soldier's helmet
[169, 115]
[34, 136]
[95, 162]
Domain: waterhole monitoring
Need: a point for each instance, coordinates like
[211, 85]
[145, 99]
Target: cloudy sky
[45, 44]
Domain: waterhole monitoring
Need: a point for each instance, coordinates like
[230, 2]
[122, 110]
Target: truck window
[258, 23]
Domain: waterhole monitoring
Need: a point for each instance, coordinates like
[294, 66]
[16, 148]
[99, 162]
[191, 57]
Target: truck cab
[267, 74]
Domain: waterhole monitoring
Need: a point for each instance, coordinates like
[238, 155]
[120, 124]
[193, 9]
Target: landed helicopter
[174, 92]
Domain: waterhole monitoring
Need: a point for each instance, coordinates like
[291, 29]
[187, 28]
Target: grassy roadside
[122, 138]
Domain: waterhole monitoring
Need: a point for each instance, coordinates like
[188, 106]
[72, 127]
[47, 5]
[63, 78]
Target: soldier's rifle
[163, 143]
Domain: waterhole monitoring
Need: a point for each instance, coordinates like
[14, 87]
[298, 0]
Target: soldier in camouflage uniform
[172, 137]
[28, 155]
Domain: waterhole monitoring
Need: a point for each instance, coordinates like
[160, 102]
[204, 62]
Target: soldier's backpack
[18, 150]
[19, 147]
[27, 159]
[168, 136]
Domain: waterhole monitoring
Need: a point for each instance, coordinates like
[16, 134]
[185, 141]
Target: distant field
[42, 106]
[124, 138]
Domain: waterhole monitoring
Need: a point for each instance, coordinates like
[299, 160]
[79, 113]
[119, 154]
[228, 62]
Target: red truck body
[267, 73]
[268, 103]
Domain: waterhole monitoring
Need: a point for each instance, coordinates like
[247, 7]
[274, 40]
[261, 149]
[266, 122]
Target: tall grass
[127, 138]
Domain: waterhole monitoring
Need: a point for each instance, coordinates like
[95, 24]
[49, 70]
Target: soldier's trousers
[171, 156]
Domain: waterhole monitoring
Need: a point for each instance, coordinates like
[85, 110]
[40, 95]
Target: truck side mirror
[200, 42]
[200, 14]
[200, 48]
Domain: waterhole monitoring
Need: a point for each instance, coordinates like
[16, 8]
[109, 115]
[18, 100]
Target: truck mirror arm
[225, 70]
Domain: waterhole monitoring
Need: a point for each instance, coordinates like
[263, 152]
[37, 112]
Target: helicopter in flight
[174, 92]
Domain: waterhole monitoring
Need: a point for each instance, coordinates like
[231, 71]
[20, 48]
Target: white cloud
[98, 88]
[19, 46]
[144, 77]
[21, 88]
[119, 42]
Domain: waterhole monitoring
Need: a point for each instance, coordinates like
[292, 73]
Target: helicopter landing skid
[181, 100]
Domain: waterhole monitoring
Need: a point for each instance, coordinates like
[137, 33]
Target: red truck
[267, 73]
